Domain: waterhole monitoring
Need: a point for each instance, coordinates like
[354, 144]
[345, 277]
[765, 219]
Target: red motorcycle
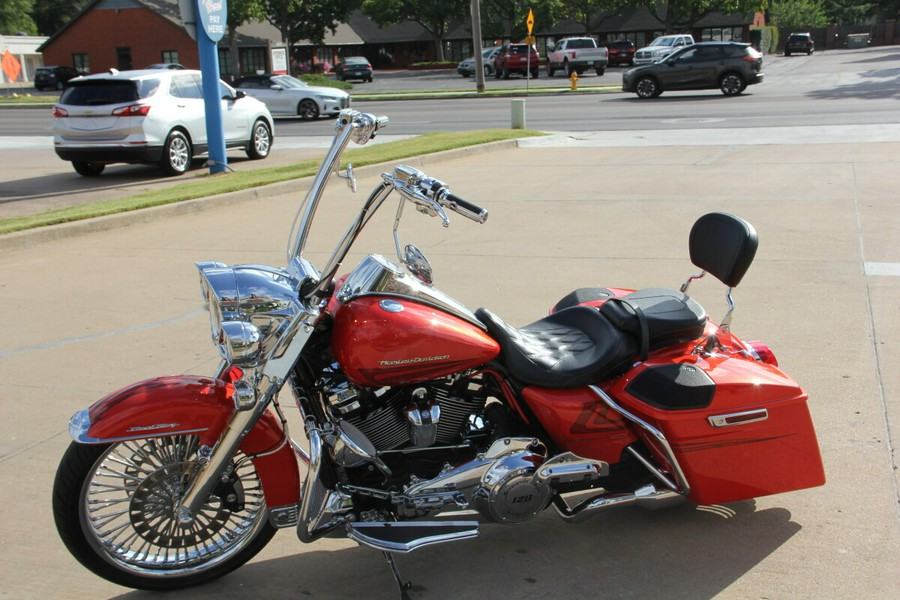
[424, 418]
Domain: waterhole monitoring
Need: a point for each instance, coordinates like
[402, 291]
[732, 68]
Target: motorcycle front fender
[192, 405]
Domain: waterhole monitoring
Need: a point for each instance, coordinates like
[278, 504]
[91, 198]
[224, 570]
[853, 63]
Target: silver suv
[151, 116]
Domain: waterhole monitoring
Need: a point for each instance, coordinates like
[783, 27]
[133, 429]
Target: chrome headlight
[249, 307]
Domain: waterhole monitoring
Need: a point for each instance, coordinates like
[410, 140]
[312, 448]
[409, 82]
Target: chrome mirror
[418, 265]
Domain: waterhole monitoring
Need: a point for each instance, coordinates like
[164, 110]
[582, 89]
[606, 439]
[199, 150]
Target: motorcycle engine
[420, 416]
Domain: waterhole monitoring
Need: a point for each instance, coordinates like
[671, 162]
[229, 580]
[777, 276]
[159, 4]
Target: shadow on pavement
[683, 552]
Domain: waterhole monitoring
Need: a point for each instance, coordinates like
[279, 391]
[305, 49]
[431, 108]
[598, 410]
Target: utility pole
[476, 44]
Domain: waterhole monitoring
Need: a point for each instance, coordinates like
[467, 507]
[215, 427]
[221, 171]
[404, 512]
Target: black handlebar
[470, 210]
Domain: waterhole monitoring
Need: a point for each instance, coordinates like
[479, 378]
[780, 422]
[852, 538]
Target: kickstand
[403, 585]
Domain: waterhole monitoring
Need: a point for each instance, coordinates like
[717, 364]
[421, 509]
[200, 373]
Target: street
[838, 88]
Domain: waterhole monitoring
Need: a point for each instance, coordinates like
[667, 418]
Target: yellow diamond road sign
[530, 21]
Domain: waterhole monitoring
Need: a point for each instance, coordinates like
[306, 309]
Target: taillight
[60, 112]
[132, 110]
[763, 353]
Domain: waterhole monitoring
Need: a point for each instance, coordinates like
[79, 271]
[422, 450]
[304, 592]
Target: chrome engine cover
[509, 491]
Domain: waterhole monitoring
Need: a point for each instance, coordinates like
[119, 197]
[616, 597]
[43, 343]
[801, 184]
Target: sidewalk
[92, 312]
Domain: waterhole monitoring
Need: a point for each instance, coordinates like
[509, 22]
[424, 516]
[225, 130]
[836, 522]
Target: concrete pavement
[90, 311]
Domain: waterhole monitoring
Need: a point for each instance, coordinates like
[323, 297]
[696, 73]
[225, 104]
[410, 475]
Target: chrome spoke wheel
[130, 500]
[178, 154]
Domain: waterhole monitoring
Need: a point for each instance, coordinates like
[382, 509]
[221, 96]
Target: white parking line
[883, 268]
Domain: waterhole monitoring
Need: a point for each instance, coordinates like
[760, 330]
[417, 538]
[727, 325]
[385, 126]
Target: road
[856, 89]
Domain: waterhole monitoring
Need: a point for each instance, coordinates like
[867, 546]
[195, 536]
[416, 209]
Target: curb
[33, 237]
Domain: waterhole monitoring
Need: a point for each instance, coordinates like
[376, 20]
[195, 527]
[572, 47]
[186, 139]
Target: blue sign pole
[212, 15]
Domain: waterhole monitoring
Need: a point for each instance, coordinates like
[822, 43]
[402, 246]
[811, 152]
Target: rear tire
[550, 70]
[260, 143]
[88, 169]
[600, 72]
[177, 154]
[732, 84]
[114, 507]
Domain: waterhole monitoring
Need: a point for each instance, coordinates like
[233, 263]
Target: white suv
[151, 116]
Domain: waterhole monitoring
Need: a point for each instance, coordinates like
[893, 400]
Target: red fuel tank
[381, 340]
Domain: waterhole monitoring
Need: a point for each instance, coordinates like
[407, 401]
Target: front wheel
[115, 510]
[260, 141]
[308, 110]
[647, 87]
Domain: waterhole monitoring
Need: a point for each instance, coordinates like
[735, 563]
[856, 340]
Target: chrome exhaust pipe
[573, 509]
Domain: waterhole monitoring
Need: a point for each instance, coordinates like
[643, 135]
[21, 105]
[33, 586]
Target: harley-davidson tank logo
[413, 361]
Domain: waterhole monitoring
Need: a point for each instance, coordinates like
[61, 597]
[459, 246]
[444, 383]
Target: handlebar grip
[466, 208]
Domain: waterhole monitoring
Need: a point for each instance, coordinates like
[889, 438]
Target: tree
[682, 15]
[307, 19]
[52, 15]
[848, 12]
[15, 17]
[794, 15]
[591, 13]
[434, 15]
[507, 17]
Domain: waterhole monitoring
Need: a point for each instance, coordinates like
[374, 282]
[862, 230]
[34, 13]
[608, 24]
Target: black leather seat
[569, 348]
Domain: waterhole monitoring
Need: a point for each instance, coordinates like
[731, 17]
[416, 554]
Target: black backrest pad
[723, 245]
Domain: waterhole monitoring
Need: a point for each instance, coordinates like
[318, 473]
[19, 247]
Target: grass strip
[213, 185]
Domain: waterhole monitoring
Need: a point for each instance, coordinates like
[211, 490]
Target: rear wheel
[647, 87]
[176, 158]
[732, 84]
[88, 169]
[260, 141]
[550, 70]
[600, 71]
[115, 509]
[569, 69]
[308, 110]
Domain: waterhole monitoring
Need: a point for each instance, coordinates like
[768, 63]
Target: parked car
[799, 42]
[151, 116]
[728, 66]
[466, 68]
[354, 67]
[288, 96]
[516, 58]
[53, 78]
[165, 66]
[661, 47]
[621, 52]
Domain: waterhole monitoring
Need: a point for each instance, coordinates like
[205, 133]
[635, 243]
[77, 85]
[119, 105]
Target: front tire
[88, 169]
[647, 87]
[260, 141]
[177, 154]
[114, 507]
[308, 110]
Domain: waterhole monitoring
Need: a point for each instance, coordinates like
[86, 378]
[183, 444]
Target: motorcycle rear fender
[189, 404]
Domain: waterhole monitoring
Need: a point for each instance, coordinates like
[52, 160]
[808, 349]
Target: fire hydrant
[574, 78]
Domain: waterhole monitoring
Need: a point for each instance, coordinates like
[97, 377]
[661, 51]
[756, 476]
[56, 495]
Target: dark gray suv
[727, 66]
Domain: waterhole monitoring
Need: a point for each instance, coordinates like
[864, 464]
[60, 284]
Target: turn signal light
[132, 110]
[763, 352]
